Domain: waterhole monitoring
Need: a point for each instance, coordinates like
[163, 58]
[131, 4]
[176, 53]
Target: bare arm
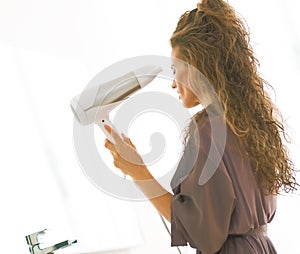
[160, 198]
[130, 163]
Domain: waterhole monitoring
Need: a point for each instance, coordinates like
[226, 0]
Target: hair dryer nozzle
[78, 112]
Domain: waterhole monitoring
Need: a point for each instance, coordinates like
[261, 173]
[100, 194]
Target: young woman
[223, 208]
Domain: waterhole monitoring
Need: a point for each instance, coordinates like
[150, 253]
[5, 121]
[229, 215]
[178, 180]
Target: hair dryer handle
[107, 122]
[110, 138]
[102, 118]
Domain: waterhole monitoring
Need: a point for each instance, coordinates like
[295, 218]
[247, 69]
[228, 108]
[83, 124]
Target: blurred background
[49, 51]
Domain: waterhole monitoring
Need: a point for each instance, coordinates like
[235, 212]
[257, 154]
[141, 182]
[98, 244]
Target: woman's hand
[126, 158]
[130, 162]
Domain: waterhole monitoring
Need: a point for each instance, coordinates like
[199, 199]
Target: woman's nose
[174, 84]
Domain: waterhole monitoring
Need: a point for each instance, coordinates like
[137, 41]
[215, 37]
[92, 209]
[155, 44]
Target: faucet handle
[34, 238]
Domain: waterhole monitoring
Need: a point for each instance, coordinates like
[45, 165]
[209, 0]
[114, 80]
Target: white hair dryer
[93, 105]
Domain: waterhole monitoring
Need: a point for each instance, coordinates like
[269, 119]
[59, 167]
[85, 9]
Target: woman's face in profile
[180, 70]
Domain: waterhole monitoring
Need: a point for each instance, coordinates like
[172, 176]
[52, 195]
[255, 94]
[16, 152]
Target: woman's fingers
[107, 128]
[116, 136]
[113, 133]
[127, 140]
[109, 145]
[123, 150]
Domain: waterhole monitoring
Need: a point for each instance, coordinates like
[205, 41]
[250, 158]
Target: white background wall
[49, 50]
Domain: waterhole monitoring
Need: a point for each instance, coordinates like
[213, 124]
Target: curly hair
[213, 39]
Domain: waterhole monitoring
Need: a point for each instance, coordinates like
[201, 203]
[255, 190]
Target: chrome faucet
[33, 240]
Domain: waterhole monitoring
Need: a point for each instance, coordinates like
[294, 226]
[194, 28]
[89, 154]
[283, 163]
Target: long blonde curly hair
[213, 39]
